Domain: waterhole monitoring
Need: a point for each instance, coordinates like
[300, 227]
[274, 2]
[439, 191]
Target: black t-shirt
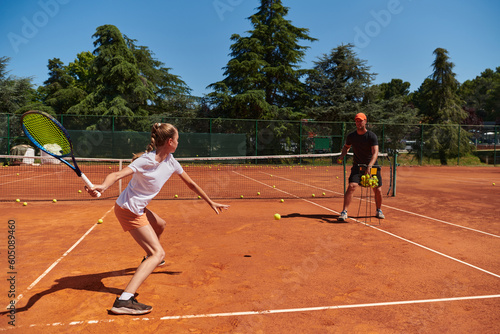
[362, 146]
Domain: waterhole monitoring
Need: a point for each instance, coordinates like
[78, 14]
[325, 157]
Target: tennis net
[282, 176]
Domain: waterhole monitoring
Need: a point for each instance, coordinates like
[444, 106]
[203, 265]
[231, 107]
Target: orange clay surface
[432, 266]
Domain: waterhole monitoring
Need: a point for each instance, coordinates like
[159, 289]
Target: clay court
[432, 266]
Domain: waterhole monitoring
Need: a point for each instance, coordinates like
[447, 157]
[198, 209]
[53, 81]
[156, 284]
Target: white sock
[126, 296]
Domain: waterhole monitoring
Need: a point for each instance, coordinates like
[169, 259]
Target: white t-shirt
[148, 179]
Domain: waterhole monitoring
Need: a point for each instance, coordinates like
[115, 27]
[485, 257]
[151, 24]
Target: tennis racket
[46, 133]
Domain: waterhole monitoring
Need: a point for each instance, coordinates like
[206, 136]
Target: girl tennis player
[150, 172]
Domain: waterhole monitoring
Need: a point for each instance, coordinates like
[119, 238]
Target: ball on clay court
[282, 200]
[54, 200]
[18, 200]
[277, 216]
[99, 221]
[493, 183]
[241, 196]
[25, 203]
[274, 186]
[313, 195]
[79, 191]
[176, 196]
[199, 197]
[258, 193]
[324, 194]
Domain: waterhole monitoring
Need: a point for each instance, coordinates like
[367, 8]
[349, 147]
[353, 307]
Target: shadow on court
[91, 282]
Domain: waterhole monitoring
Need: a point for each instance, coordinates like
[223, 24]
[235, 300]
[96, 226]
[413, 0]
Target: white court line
[32, 285]
[389, 233]
[266, 312]
[442, 221]
[29, 178]
[325, 308]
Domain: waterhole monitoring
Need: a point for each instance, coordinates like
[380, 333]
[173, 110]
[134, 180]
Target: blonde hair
[160, 134]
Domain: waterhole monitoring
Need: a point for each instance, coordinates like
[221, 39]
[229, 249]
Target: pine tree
[339, 83]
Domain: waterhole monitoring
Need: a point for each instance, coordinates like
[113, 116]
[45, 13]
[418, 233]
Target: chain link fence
[120, 137]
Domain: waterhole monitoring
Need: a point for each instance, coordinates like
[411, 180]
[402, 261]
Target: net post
[495, 147]
[394, 173]
[120, 164]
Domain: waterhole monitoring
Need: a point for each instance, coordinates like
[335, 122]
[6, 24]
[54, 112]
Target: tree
[482, 95]
[440, 104]
[117, 87]
[263, 79]
[339, 84]
[60, 89]
[170, 94]
[81, 70]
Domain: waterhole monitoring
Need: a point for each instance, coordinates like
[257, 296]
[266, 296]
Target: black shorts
[357, 171]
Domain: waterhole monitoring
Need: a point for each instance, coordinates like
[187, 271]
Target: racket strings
[44, 131]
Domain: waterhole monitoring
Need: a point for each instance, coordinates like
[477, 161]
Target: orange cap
[360, 116]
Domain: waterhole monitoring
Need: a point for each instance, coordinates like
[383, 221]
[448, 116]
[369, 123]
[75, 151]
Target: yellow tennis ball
[313, 195]
[99, 221]
[258, 193]
[176, 196]
[199, 197]
[493, 183]
[18, 200]
[282, 200]
[25, 203]
[79, 191]
[277, 216]
[241, 196]
[274, 186]
[324, 194]
[54, 200]
[17, 174]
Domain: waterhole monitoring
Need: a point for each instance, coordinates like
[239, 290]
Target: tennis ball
[258, 193]
[274, 186]
[99, 221]
[176, 196]
[17, 174]
[313, 195]
[199, 197]
[18, 200]
[282, 200]
[54, 200]
[324, 194]
[493, 183]
[277, 216]
[79, 191]
[25, 203]
[241, 196]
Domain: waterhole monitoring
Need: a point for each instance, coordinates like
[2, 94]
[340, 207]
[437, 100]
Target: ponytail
[160, 134]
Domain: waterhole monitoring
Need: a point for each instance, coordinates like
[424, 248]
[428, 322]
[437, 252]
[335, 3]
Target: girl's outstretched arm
[217, 207]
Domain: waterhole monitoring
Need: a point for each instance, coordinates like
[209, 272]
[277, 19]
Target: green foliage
[482, 94]
[262, 80]
[439, 103]
[339, 84]
[14, 92]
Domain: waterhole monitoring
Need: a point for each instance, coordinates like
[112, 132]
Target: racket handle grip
[89, 184]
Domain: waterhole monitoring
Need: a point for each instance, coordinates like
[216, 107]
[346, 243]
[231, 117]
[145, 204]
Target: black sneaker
[131, 306]
[162, 263]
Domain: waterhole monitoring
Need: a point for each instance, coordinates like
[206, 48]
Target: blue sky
[395, 37]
